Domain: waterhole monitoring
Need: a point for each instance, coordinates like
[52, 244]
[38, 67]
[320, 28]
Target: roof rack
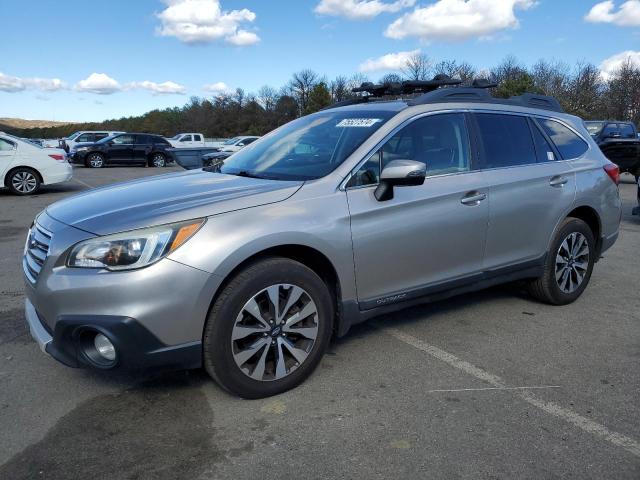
[444, 89]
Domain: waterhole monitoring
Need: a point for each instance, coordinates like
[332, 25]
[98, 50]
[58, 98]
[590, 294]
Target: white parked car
[237, 143]
[84, 136]
[25, 166]
[191, 140]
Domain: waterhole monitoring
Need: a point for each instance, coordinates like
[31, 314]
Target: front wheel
[23, 181]
[268, 329]
[568, 265]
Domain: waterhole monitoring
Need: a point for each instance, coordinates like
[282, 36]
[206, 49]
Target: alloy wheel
[572, 262]
[95, 161]
[158, 160]
[274, 332]
[24, 182]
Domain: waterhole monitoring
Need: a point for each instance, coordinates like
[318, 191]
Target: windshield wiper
[247, 174]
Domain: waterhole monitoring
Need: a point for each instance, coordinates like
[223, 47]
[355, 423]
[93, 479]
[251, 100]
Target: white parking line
[585, 424]
[82, 183]
[493, 388]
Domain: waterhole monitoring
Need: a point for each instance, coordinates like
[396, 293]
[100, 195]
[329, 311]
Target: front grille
[35, 252]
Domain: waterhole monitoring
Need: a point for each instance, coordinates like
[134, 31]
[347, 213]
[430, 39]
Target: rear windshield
[307, 148]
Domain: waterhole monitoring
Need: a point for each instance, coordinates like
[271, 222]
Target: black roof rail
[482, 95]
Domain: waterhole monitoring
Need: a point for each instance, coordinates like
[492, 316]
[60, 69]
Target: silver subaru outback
[249, 268]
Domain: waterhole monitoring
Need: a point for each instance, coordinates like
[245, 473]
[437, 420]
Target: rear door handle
[558, 181]
[473, 198]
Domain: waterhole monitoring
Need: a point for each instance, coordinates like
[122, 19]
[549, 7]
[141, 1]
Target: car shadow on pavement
[159, 428]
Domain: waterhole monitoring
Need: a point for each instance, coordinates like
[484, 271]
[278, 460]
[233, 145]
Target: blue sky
[102, 52]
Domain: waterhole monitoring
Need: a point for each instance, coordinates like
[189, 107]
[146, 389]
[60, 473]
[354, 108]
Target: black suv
[123, 149]
[619, 142]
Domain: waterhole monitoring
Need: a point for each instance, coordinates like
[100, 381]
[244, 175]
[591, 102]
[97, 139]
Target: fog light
[104, 347]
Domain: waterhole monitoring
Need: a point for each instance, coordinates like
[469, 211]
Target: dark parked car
[619, 142]
[123, 149]
[216, 158]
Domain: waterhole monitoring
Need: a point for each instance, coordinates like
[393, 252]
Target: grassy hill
[21, 123]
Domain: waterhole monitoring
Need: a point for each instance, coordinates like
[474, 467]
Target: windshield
[73, 135]
[176, 137]
[231, 141]
[307, 148]
[594, 128]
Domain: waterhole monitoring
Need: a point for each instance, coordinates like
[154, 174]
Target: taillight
[58, 157]
[613, 171]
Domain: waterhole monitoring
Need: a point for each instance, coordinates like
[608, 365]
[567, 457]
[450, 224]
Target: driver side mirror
[399, 173]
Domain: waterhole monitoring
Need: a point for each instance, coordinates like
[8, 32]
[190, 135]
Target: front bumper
[136, 347]
[76, 157]
[154, 316]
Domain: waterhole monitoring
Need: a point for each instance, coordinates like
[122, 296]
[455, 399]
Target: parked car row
[79, 137]
[26, 166]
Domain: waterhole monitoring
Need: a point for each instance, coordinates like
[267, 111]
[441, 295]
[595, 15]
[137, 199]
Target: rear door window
[568, 143]
[506, 140]
[197, 138]
[544, 151]
[142, 139]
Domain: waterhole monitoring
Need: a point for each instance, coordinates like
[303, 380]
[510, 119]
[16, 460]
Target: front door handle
[558, 181]
[473, 198]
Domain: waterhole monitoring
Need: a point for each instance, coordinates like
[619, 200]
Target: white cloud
[360, 9]
[390, 61]
[458, 19]
[612, 64]
[204, 21]
[99, 83]
[217, 88]
[9, 83]
[628, 15]
[164, 88]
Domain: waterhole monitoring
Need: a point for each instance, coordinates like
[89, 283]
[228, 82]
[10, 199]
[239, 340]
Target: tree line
[581, 89]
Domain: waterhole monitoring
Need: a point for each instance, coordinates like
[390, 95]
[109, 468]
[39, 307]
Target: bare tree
[339, 88]
[268, 97]
[583, 97]
[301, 85]
[391, 78]
[417, 67]
[622, 93]
[551, 78]
[461, 71]
[509, 69]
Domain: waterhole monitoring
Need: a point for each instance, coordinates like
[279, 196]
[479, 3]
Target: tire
[224, 357]
[95, 160]
[23, 181]
[568, 262]
[158, 160]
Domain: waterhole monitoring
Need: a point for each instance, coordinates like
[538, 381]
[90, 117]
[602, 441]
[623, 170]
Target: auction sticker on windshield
[358, 122]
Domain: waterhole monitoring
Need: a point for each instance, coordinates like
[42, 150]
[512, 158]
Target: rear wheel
[23, 181]
[268, 329]
[568, 266]
[95, 160]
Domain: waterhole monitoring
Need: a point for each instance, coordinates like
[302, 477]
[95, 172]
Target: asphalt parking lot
[487, 385]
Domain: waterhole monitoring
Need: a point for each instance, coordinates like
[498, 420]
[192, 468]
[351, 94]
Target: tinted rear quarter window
[544, 151]
[506, 140]
[568, 143]
[626, 131]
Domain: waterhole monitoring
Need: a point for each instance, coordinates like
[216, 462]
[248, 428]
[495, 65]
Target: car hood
[165, 199]
[83, 144]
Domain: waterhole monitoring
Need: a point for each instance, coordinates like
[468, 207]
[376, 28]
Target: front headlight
[134, 249]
